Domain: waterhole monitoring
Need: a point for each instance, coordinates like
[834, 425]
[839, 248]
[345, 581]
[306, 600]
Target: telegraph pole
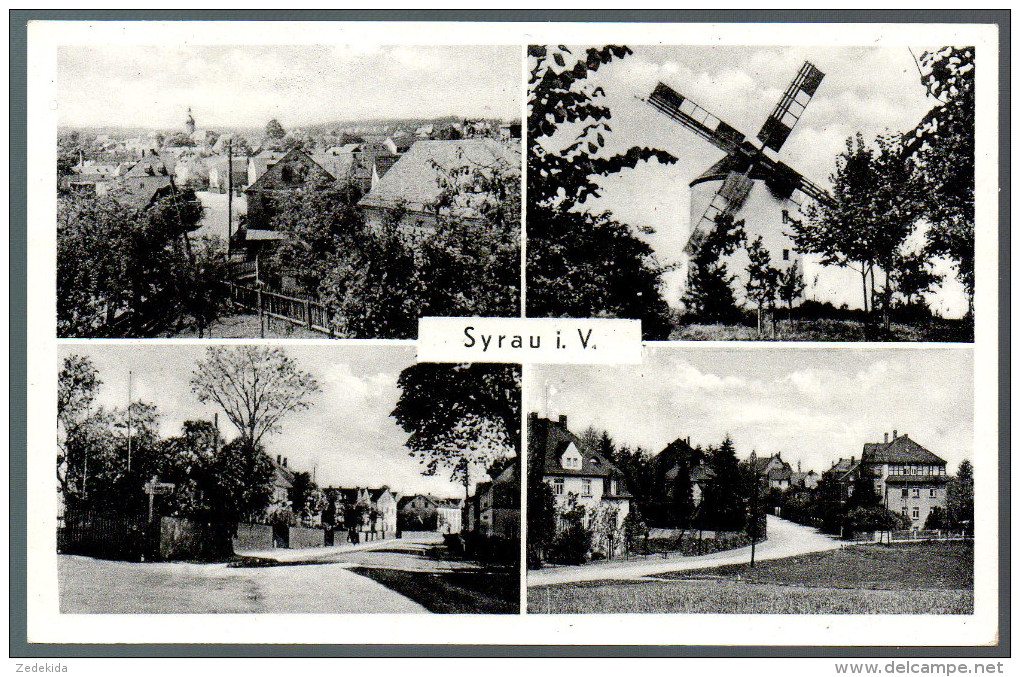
[230, 193]
[129, 421]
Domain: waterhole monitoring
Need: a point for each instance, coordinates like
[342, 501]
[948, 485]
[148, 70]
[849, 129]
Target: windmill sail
[791, 107]
[727, 200]
[677, 106]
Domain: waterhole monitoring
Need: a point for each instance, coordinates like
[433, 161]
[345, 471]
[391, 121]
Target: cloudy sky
[866, 89]
[347, 432]
[814, 406]
[147, 86]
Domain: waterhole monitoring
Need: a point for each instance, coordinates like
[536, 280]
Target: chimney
[798, 466]
[887, 438]
[284, 461]
[532, 418]
[279, 460]
[563, 420]
[894, 435]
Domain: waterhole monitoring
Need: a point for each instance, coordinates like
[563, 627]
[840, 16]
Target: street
[785, 539]
[318, 580]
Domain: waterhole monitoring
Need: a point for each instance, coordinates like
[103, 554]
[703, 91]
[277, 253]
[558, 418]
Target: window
[586, 487]
[904, 511]
[558, 486]
[786, 216]
[931, 492]
[905, 493]
[917, 492]
[786, 254]
[915, 513]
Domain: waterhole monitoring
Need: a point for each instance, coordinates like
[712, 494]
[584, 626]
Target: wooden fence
[300, 311]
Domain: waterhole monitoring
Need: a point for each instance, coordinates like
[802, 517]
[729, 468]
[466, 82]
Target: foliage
[791, 285]
[460, 417]
[762, 278]
[874, 518]
[582, 264]
[942, 146]
[417, 519]
[316, 227]
[874, 210]
[203, 294]
[960, 497]
[937, 519]
[180, 140]
[912, 276]
[126, 271]
[541, 515]
[573, 541]
[256, 386]
[708, 295]
[722, 505]
[274, 130]
[379, 281]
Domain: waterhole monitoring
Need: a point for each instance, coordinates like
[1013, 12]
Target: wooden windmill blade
[728, 199]
[709, 127]
[791, 107]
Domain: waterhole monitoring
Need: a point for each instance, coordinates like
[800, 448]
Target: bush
[454, 543]
[491, 549]
[571, 546]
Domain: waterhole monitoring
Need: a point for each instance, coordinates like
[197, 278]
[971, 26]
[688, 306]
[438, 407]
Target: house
[776, 472]
[448, 516]
[909, 479]
[385, 502]
[193, 171]
[574, 472]
[145, 182]
[804, 480]
[667, 465]
[510, 130]
[292, 172]
[219, 166]
[499, 504]
[283, 485]
[259, 163]
[415, 182]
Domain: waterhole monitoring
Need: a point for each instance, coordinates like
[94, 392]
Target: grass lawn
[247, 326]
[486, 591]
[828, 330]
[915, 578]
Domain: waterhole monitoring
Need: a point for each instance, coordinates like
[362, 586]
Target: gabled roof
[548, 440]
[414, 181]
[901, 449]
[276, 171]
[150, 165]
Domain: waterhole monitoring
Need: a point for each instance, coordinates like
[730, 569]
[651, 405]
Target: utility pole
[129, 420]
[230, 194]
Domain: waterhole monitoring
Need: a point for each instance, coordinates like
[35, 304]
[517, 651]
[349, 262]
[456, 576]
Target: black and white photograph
[753, 482]
[848, 217]
[285, 191]
[251, 479]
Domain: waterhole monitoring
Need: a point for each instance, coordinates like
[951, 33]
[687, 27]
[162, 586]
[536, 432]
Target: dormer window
[571, 458]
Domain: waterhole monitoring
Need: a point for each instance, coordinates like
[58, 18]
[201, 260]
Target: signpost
[154, 487]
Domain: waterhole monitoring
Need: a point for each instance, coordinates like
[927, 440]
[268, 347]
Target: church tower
[189, 123]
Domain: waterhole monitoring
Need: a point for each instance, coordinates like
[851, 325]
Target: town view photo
[285, 191]
[754, 193]
[306, 479]
[765, 481]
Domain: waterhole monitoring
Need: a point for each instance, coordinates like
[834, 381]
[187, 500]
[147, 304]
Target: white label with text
[531, 340]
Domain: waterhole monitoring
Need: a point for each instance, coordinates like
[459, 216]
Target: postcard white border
[45, 624]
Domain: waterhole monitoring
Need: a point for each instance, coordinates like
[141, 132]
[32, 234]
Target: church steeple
[189, 123]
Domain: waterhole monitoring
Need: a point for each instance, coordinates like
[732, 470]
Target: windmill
[746, 163]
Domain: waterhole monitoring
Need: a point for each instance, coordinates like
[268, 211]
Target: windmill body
[753, 184]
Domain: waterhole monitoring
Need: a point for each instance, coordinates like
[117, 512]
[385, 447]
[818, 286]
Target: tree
[723, 501]
[960, 497]
[582, 264]
[762, 279]
[274, 130]
[77, 422]
[180, 140]
[708, 295]
[242, 487]
[256, 386]
[874, 209]
[912, 276]
[203, 294]
[942, 146]
[316, 227]
[460, 417]
[541, 515]
[791, 286]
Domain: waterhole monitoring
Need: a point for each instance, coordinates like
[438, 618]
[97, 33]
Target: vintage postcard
[567, 333]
